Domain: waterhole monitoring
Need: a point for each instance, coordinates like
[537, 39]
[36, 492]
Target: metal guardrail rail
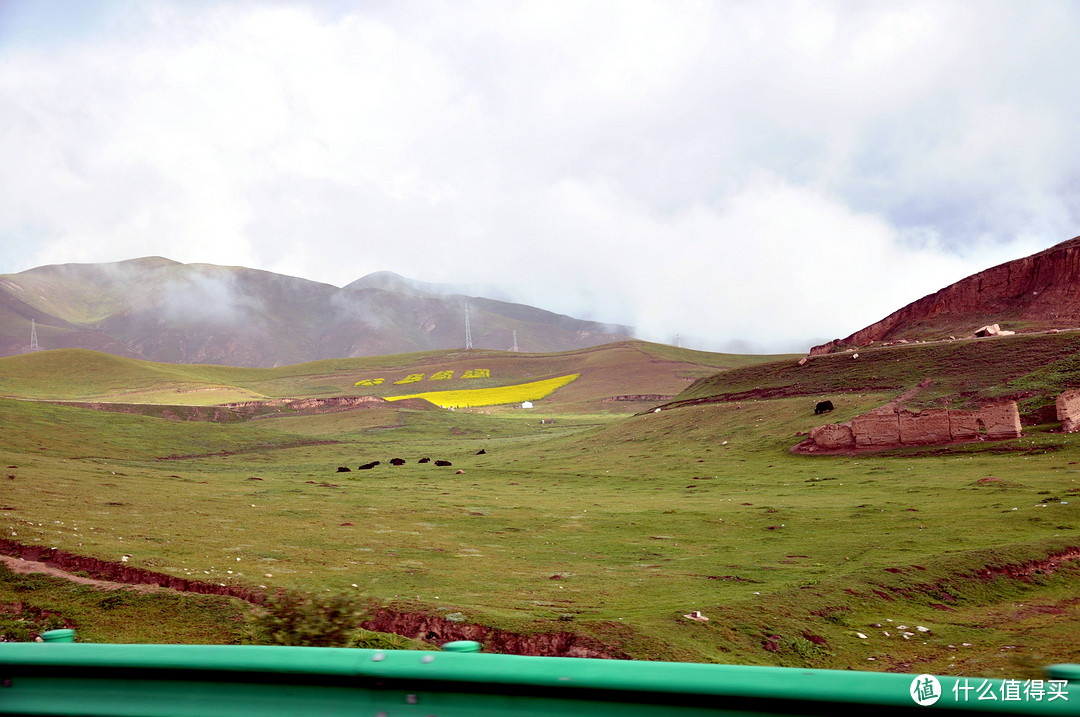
[194, 680]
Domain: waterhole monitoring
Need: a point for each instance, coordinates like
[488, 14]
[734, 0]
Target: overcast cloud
[774, 173]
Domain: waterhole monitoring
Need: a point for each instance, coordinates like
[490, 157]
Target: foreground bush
[313, 620]
[385, 641]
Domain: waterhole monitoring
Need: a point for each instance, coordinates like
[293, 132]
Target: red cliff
[1036, 293]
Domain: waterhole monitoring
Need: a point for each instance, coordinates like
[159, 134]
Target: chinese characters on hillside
[437, 376]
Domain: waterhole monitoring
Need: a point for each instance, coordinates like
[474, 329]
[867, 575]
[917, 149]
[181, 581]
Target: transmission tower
[33, 336]
[515, 347]
[468, 329]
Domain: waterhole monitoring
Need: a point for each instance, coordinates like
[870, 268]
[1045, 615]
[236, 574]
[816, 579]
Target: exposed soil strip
[436, 629]
[305, 443]
[27, 567]
[116, 572]
[439, 630]
[639, 397]
[1023, 571]
[1014, 571]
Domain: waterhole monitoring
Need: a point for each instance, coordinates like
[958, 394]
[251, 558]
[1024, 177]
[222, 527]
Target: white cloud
[775, 172]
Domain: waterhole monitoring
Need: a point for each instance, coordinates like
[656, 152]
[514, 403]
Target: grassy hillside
[612, 370]
[1033, 369]
[83, 295]
[601, 524]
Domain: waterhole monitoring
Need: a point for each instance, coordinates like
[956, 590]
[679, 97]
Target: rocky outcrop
[875, 430]
[1042, 291]
[926, 427]
[1068, 411]
[999, 421]
[832, 436]
[892, 427]
[990, 330]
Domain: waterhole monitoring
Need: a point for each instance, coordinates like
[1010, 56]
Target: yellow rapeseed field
[492, 396]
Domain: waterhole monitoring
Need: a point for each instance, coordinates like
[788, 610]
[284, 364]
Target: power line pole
[33, 336]
[515, 348]
[468, 329]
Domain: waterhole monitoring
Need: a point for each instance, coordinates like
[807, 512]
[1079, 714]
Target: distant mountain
[1036, 293]
[161, 310]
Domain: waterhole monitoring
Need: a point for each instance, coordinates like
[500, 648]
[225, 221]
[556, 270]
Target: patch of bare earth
[27, 567]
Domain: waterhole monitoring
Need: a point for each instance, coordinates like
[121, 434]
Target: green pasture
[608, 525]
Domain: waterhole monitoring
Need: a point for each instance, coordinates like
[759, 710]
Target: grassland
[602, 523]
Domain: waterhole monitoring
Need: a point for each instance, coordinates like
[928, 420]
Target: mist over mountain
[161, 310]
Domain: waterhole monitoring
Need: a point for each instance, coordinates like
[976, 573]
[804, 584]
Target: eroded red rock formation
[897, 427]
[1068, 411]
[1042, 291]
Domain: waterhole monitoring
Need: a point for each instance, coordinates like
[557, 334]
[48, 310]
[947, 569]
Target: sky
[755, 176]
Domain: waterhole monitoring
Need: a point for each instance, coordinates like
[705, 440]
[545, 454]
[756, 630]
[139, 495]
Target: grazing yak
[424, 460]
[823, 407]
[443, 463]
[368, 466]
[343, 469]
[397, 461]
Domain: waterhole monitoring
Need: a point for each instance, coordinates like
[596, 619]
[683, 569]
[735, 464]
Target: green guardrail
[194, 680]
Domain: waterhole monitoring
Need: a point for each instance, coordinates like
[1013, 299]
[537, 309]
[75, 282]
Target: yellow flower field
[492, 396]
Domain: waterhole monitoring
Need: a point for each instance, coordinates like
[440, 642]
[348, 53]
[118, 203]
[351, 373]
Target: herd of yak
[821, 407]
[399, 462]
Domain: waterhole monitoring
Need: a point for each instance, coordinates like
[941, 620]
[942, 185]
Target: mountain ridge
[158, 309]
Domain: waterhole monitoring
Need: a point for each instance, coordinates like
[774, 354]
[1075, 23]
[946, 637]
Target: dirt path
[61, 563]
[903, 398]
[26, 567]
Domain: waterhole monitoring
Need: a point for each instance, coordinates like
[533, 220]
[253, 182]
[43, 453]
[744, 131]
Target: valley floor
[575, 526]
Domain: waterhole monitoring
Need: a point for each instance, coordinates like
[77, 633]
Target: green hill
[618, 376]
[1033, 369]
